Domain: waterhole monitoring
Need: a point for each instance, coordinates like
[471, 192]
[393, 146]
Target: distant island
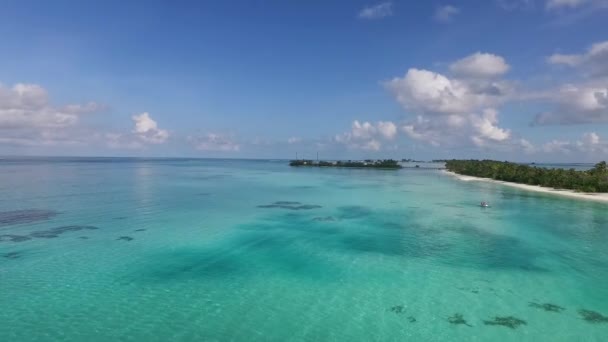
[372, 164]
[594, 180]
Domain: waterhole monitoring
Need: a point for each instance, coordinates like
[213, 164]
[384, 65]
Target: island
[388, 164]
[594, 180]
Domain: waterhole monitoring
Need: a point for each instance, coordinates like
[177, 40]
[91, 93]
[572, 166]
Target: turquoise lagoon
[98, 249]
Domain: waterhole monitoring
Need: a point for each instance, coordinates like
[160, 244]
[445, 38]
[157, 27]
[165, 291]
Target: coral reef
[290, 205]
[507, 321]
[593, 316]
[398, 309]
[25, 216]
[547, 307]
[458, 319]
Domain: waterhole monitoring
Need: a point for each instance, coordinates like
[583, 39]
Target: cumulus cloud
[430, 92]
[366, 135]
[452, 111]
[147, 129]
[583, 102]
[215, 142]
[28, 118]
[387, 129]
[379, 11]
[445, 13]
[480, 65]
[594, 61]
[589, 143]
[486, 127]
[576, 104]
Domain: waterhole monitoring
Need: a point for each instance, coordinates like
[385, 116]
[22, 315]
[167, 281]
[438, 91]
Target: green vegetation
[594, 180]
[376, 164]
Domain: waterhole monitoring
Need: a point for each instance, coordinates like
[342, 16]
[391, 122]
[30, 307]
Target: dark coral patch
[412, 319]
[12, 255]
[547, 307]
[469, 289]
[508, 321]
[398, 309]
[290, 205]
[354, 211]
[55, 232]
[458, 319]
[14, 238]
[324, 219]
[593, 316]
[25, 216]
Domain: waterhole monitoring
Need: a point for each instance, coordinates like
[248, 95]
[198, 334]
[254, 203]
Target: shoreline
[598, 197]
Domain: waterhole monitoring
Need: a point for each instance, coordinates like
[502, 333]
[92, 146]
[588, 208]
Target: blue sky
[520, 80]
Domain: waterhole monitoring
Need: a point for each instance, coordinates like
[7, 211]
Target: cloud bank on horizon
[485, 100]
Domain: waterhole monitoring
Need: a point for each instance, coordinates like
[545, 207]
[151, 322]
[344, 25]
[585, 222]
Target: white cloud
[486, 127]
[366, 135]
[28, 118]
[558, 4]
[28, 106]
[215, 142]
[372, 145]
[557, 146]
[576, 104]
[480, 65]
[387, 129]
[451, 111]
[582, 102]
[363, 130]
[147, 129]
[294, 140]
[514, 5]
[590, 143]
[569, 60]
[379, 11]
[445, 13]
[429, 92]
[594, 61]
[526, 146]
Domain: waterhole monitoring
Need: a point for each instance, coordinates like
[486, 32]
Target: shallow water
[157, 250]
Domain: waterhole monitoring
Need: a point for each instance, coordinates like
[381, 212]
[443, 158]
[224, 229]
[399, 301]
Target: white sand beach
[600, 197]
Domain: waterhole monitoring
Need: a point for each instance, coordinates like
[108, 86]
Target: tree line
[593, 180]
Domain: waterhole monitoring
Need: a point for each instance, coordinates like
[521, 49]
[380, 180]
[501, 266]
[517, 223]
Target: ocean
[127, 249]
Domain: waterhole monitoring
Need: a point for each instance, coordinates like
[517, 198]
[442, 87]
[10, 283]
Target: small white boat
[484, 204]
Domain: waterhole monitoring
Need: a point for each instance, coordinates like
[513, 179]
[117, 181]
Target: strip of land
[600, 197]
[372, 164]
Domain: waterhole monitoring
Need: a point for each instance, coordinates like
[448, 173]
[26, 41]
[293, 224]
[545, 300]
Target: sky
[521, 80]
